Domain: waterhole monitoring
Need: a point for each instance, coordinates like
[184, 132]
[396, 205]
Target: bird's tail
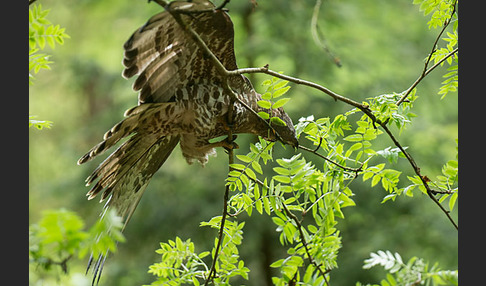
[125, 174]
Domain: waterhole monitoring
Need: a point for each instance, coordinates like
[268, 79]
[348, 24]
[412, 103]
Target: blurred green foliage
[59, 238]
[382, 46]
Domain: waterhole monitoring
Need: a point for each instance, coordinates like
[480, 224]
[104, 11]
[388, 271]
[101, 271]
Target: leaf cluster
[297, 187]
[39, 124]
[442, 14]
[440, 10]
[415, 272]
[180, 264]
[274, 89]
[41, 31]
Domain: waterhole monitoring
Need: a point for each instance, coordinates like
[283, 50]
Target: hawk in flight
[181, 99]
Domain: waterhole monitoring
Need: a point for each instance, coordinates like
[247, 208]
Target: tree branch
[299, 81]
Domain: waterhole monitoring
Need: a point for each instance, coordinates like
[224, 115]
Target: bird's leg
[225, 143]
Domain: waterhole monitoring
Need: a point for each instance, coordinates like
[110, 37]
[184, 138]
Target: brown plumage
[181, 100]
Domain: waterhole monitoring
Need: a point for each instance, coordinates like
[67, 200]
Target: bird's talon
[229, 145]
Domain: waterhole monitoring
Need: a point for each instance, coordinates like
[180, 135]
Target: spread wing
[164, 58]
[166, 62]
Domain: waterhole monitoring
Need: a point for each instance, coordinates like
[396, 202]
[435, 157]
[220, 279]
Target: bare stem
[221, 231]
[317, 34]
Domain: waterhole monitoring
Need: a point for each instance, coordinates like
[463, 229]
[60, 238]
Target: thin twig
[304, 242]
[317, 34]
[426, 69]
[231, 160]
[354, 170]
[220, 7]
[424, 179]
[423, 75]
[221, 231]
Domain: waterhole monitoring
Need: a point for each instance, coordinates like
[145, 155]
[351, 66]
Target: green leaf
[375, 180]
[244, 158]
[278, 221]
[355, 146]
[267, 96]
[264, 104]
[278, 121]
[280, 103]
[281, 92]
[282, 179]
[367, 175]
[354, 138]
[248, 201]
[266, 82]
[280, 84]
[257, 167]
[39, 124]
[233, 174]
[312, 228]
[264, 115]
[249, 172]
[238, 166]
[452, 200]
[277, 263]
[282, 171]
[389, 197]
[259, 206]
[266, 205]
[346, 201]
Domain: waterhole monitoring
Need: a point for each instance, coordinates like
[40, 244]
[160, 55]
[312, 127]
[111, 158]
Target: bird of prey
[181, 99]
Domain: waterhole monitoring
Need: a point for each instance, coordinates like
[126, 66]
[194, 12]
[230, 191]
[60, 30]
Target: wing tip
[86, 157]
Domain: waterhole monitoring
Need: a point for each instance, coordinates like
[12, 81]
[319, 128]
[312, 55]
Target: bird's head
[284, 128]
